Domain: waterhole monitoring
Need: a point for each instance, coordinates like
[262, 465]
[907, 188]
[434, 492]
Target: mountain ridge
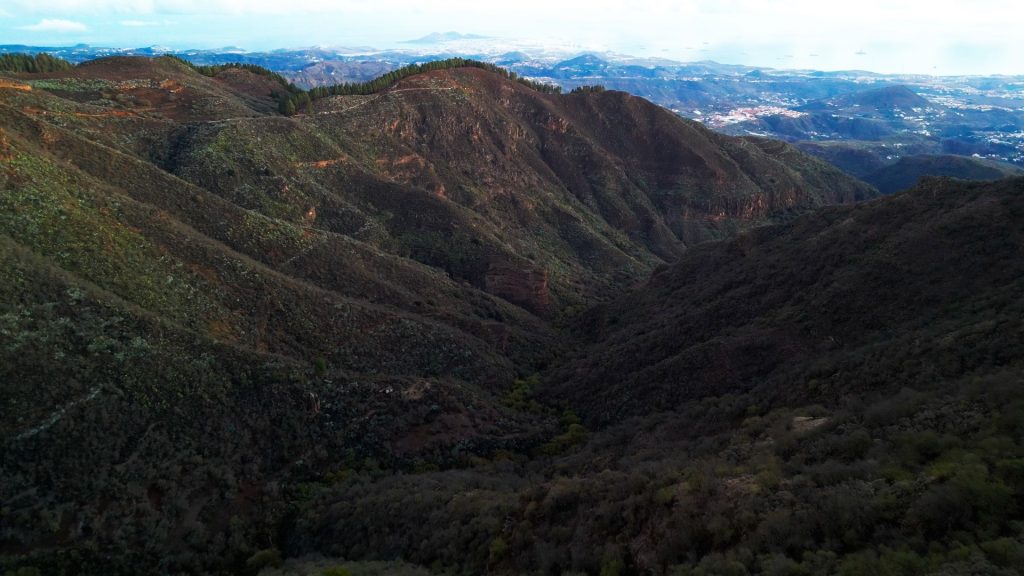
[907, 170]
[439, 37]
[483, 328]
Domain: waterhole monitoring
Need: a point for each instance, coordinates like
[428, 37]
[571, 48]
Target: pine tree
[33, 64]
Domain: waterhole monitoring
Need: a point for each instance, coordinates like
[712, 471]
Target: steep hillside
[855, 158]
[847, 300]
[485, 178]
[909, 169]
[151, 330]
[131, 443]
[544, 200]
[837, 395]
[211, 313]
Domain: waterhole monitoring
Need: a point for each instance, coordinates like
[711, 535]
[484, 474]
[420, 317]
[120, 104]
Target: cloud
[55, 25]
[138, 23]
[206, 7]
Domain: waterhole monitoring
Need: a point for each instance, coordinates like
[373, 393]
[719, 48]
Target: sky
[948, 37]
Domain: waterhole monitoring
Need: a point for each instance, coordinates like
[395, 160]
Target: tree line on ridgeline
[302, 100]
[293, 99]
[33, 64]
[588, 89]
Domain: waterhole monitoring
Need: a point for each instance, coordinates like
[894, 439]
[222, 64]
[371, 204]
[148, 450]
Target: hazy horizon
[939, 38]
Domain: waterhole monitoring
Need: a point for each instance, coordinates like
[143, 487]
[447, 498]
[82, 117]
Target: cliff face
[526, 287]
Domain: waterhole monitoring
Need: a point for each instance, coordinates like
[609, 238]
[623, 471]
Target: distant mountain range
[909, 169]
[440, 37]
[872, 119]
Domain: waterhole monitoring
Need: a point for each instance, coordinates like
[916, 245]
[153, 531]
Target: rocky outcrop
[524, 286]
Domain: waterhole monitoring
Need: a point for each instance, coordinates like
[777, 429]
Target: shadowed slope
[909, 169]
[208, 308]
[836, 302]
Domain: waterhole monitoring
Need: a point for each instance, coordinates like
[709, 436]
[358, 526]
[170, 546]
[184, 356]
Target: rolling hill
[879, 114]
[887, 99]
[909, 169]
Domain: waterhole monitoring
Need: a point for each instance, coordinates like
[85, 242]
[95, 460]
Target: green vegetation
[286, 106]
[909, 169]
[521, 396]
[288, 98]
[27, 63]
[575, 434]
[63, 217]
[291, 348]
[588, 89]
[270, 557]
[213, 70]
[300, 100]
[70, 84]
[391, 78]
[691, 478]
